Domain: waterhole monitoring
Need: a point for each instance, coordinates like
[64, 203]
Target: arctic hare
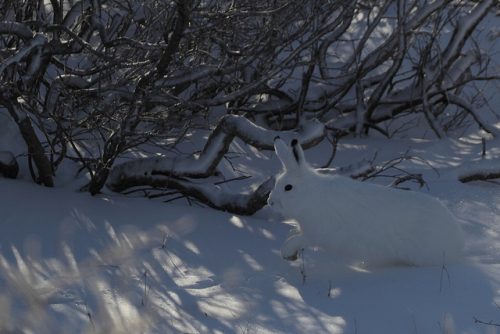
[359, 221]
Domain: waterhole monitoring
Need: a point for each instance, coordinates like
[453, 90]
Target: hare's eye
[288, 187]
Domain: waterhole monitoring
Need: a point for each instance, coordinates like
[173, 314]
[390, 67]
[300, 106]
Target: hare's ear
[285, 154]
[298, 153]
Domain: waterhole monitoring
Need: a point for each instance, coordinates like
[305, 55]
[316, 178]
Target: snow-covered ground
[72, 263]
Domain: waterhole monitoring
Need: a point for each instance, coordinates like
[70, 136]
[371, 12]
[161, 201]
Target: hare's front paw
[292, 246]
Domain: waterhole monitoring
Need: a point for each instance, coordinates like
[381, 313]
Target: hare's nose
[270, 203]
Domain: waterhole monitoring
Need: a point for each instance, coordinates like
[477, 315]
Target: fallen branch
[211, 194]
[488, 323]
[480, 171]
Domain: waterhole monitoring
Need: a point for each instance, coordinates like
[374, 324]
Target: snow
[71, 262]
[111, 264]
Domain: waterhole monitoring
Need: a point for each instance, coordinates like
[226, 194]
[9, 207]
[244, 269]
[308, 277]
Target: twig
[444, 270]
[489, 323]
[178, 197]
[483, 144]
[238, 178]
[134, 190]
[333, 141]
[392, 164]
[145, 295]
[89, 315]
[162, 194]
[303, 267]
[409, 177]
[164, 247]
[164, 242]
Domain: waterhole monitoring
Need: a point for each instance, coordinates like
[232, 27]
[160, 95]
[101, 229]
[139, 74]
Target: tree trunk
[35, 148]
[36, 152]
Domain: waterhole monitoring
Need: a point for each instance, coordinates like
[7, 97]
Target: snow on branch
[213, 195]
[458, 69]
[125, 175]
[462, 103]
[38, 41]
[16, 28]
[71, 17]
[466, 24]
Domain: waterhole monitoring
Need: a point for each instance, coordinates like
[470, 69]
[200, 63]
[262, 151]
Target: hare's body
[358, 221]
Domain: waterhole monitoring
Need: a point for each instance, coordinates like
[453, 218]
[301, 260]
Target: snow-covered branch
[16, 28]
[246, 203]
[465, 25]
[204, 165]
[462, 103]
[37, 41]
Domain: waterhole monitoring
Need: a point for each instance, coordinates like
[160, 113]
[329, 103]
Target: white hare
[359, 221]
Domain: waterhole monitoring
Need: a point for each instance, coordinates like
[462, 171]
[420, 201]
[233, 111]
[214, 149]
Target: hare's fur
[360, 221]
